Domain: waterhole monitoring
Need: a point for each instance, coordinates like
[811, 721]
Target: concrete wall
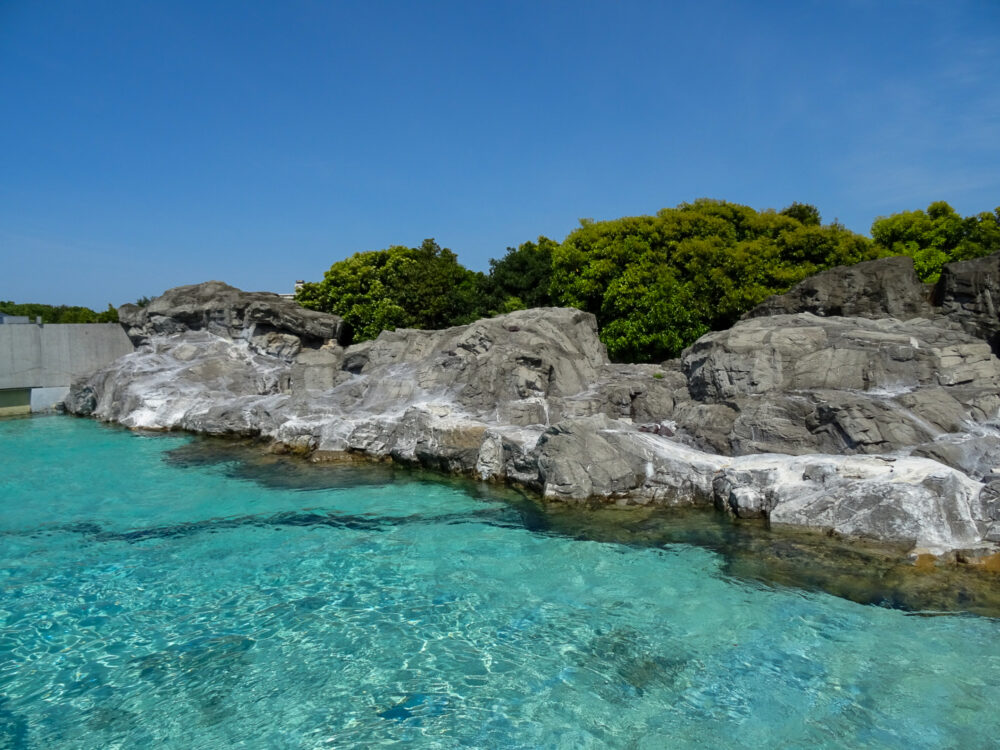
[50, 357]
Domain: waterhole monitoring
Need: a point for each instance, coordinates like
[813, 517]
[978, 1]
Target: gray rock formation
[968, 293]
[883, 288]
[804, 384]
[967, 296]
[755, 421]
[270, 323]
[805, 352]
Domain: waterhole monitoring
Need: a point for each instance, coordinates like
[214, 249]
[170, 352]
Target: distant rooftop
[298, 285]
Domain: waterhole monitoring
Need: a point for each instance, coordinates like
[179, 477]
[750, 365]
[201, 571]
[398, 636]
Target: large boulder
[968, 293]
[195, 381]
[805, 352]
[519, 369]
[268, 322]
[806, 384]
[599, 457]
[883, 288]
[912, 501]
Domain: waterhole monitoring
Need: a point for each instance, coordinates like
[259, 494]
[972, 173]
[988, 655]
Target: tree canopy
[399, 287]
[805, 213]
[521, 278]
[656, 283]
[937, 236]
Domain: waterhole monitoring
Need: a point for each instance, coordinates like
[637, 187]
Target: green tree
[804, 213]
[521, 278]
[399, 287]
[982, 234]
[108, 316]
[650, 314]
[656, 283]
[937, 236]
[59, 313]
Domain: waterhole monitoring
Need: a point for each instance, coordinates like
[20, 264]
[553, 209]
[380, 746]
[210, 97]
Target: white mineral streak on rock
[531, 398]
[911, 500]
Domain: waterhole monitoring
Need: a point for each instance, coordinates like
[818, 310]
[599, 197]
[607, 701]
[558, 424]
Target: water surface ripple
[149, 599]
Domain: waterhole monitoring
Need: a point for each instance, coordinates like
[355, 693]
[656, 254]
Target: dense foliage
[938, 236]
[400, 287]
[655, 283]
[60, 313]
[520, 279]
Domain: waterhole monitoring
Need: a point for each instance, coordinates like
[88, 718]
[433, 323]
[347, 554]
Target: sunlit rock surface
[862, 427]
[807, 384]
[266, 321]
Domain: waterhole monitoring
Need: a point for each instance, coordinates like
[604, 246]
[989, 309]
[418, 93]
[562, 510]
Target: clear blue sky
[149, 144]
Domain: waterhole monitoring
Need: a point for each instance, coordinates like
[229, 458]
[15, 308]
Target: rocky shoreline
[862, 403]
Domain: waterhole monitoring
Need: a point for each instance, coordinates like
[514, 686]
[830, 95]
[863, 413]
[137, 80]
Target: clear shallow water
[146, 600]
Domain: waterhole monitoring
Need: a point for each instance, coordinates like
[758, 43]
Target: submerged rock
[769, 419]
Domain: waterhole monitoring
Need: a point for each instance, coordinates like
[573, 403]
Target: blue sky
[145, 145]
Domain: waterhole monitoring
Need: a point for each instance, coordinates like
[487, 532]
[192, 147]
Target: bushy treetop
[520, 279]
[399, 287]
[655, 283]
[937, 236]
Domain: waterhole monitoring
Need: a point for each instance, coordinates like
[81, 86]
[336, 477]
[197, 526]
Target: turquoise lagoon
[153, 594]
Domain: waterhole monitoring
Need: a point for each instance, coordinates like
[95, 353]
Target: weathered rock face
[906, 500]
[804, 384]
[527, 357]
[754, 421]
[804, 352]
[190, 381]
[883, 288]
[968, 292]
[912, 501]
[271, 324]
[967, 295]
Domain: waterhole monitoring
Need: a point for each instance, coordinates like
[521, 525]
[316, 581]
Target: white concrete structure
[38, 362]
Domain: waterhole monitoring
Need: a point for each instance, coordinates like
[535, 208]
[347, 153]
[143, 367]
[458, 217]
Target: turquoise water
[151, 601]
